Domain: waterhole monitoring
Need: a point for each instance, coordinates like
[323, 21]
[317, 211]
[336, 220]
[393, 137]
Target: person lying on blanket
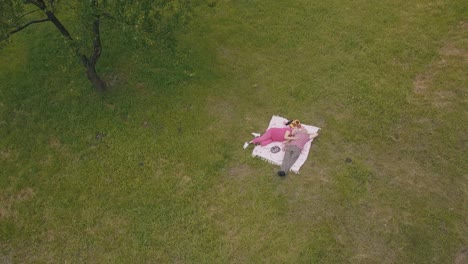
[293, 148]
[278, 134]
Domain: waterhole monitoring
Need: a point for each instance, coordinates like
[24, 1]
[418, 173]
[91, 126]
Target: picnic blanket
[273, 152]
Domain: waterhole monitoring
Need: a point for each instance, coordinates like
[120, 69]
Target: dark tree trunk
[94, 78]
[97, 49]
[51, 16]
[89, 64]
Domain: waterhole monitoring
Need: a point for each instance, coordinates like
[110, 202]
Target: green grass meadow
[153, 170]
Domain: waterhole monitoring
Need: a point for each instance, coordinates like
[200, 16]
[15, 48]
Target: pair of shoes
[255, 134]
[281, 173]
[246, 144]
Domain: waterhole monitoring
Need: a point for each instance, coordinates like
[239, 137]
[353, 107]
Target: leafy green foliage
[10, 16]
[79, 22]
[150, 17]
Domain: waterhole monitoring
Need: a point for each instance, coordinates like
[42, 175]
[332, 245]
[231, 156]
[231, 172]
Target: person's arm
[287, 139]
[288, 136]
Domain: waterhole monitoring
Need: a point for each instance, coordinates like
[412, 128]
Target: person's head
[294, 123]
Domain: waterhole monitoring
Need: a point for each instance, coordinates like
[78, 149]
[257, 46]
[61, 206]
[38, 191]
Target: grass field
[153, 171]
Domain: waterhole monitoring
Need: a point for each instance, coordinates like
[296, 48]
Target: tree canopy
[79, 22]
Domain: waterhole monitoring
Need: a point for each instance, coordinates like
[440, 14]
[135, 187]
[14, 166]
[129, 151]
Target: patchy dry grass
[154, 170]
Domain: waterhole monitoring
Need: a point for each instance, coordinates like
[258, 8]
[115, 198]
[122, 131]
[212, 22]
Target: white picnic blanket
[273, 152]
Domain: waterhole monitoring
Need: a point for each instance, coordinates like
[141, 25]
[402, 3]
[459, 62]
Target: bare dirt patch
[5, 154]
[462, 256]
[450, 49]
[5, 209]
[239, 170]
[55, 143]
[453, 48]
[25, 194]
[221, 109]
[6, 259]
[421, 82]
[443, 99]
[7, 202]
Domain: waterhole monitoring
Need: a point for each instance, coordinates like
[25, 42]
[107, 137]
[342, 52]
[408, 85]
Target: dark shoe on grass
[281, 173]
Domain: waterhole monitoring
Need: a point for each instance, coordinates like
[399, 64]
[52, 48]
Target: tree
[146, 19]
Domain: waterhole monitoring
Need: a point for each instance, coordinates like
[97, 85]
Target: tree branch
[27, 13]
[97, 47]
[16, 24]
[51, 16]
[28, 24]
